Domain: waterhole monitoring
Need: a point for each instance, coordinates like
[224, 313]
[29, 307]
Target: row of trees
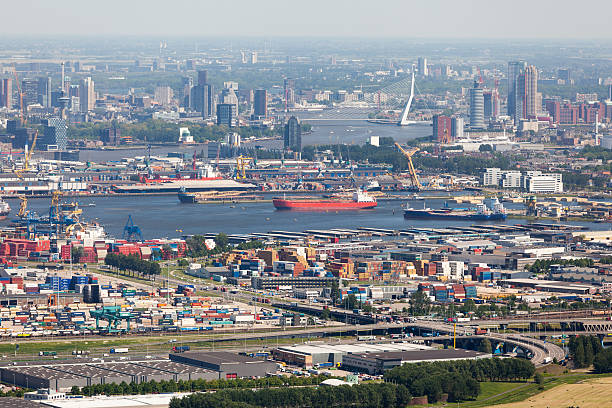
[194, 385]
[196, 245]
[543, 265]
[584, 349]
[162, 131]
[370, 395]
[459, 379]
[603, 361]
[132, 263]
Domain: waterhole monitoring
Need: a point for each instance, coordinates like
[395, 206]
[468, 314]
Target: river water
[165, 216]
[323, 132]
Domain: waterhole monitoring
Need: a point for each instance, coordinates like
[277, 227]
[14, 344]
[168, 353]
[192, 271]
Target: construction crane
[408, 154]
[241, 163]
[22, 120]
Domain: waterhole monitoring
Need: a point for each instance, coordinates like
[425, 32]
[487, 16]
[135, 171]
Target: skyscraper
[422, 66]
[87, 95]
[477, 107]
[29, 90]
[187, 85]
[164, 95]
[199, 99]
[44, 91]
[55, 134]
[260, 108]
[491, 104]
[7, 93]
[442, 128]
[288, 87]
[293, 135]
[227, 114]
[203, 77]
[202, 96]
[457, 125]
[532, 104]
[515, 68]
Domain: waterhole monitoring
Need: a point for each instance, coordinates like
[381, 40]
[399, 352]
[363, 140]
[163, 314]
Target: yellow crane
[241, 163]
[22, 119]
[408, 153]
[23, 207]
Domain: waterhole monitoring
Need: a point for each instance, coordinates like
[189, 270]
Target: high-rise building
[111, 136]
[477, 107]
[528, 91]
[227, 114]
[515, 68]
[457, 125]
[186, 98]
[288, 88]
[491, 104]
[228, 95]
[202, 77]
[260, 108]
[23, 137]
[212, 103]
[44, 91]
[164, 95]
[55, 134]
[442, 128]
[7, 93]
[87, 95]
[254, 57]
[293, 135]
[29, 90]
[200, 99]
[564, 74]
[422, 66]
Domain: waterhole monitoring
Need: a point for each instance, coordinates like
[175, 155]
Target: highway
[540, 350]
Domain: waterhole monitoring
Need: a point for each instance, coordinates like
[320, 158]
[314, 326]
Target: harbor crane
[241, 163]
[408, 153]
[131, 232]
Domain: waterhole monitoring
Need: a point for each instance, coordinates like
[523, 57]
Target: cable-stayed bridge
[397, 97]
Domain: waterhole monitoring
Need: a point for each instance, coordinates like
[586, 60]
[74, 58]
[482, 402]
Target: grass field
[556, 390]
[595, 393]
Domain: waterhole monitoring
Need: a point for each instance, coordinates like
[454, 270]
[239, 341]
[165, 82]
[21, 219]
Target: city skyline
[387, 19]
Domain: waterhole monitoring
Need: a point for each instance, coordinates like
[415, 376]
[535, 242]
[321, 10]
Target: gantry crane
[241, 163]
[408, 154]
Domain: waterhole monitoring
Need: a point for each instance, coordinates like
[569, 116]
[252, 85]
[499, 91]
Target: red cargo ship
[358, 201]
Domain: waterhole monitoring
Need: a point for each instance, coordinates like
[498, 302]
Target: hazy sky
[483, 19]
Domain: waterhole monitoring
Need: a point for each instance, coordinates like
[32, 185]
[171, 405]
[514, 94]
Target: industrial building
[378, 363]
[294, 282]
[227, 365]
[63, 375]
[14, 402]
[323, 354]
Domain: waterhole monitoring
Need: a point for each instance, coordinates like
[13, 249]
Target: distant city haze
[472, 19]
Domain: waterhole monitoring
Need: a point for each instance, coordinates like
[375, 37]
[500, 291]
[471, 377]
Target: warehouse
[323, 354]
[378, 363]
[65, 374]
[295, 282]
[228, 365]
